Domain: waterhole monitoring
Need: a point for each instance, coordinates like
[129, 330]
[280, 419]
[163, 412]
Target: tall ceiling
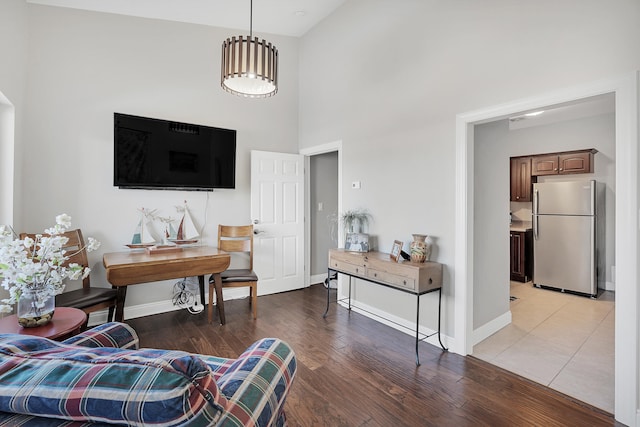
[284, 17]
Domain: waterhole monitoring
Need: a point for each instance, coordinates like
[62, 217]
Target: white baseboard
[317, 278]
[491, 327]
[149, 309]
[609, 286]
[398, 323]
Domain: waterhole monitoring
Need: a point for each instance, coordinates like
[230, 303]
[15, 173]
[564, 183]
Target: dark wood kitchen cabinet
[563, 163]
[521, 179]
[521, 255]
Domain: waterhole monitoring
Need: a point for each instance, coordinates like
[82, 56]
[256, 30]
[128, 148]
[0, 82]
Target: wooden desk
[137, 266]
[377, 267]
[66, 322]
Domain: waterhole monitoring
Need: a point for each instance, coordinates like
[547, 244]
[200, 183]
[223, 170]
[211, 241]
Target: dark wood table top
[65, 322]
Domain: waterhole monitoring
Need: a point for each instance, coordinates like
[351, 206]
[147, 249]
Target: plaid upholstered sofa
[101, 378]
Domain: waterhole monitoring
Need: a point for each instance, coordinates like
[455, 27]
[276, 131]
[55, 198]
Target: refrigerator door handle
[535, 213]
[593, 198]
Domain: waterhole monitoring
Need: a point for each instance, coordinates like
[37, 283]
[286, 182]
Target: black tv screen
[160, 154]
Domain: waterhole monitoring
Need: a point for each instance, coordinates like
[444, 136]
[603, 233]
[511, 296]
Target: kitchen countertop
[520, 226]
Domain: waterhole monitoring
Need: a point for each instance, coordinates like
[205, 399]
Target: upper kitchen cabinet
[563, 163]
[521, 179]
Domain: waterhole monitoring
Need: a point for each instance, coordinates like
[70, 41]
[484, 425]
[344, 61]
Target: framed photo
[395, 250]
[357, 242]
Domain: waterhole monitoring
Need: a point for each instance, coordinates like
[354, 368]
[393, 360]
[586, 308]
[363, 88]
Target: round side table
[66, 323]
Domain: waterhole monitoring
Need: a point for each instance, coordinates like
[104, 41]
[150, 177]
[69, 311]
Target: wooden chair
[239, 239]
[88, 299]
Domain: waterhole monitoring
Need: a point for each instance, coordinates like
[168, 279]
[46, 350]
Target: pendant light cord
[251, 21]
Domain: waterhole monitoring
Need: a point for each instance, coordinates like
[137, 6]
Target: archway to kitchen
[560, 340]
[467, 333]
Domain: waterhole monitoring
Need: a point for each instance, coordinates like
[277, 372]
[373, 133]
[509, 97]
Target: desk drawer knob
[404, 282]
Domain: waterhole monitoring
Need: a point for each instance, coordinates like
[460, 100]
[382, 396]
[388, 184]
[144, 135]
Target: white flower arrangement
[37, 265]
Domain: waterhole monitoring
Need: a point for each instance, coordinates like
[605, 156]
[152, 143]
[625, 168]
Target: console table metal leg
[439, 317]
[418, 329]
[328, 282]
[349, 293]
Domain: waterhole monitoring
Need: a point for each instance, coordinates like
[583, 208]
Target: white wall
[395, 74]
[83, 67]
[491, 222]
[494, 144]
[13, 71]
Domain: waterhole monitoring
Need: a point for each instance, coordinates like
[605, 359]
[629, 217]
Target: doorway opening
[626, 250]
[557, 339]
[323, 198]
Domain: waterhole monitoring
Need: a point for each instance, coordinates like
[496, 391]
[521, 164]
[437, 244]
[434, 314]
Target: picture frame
[395, 250]
[356, 242]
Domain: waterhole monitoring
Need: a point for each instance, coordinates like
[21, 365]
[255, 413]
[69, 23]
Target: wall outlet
[355, 185]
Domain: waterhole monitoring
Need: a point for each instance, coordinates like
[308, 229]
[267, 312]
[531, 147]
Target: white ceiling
[284, 17]
[588, 107]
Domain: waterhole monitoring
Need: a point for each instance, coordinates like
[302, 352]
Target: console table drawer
[392, 279]
[407, 276]
[347, 267]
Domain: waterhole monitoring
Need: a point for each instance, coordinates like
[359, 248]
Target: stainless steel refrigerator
[568, 236]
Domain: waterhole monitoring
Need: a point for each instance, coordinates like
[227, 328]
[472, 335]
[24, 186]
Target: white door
[277, 212]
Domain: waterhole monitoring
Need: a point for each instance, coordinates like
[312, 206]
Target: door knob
[255, 221]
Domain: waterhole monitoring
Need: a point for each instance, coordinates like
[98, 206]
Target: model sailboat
[187, 232]
[142, 236]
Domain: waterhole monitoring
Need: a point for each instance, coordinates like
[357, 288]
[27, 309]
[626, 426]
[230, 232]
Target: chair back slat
[236, 238]
[235, 245]
[235, 231]
[75, 250]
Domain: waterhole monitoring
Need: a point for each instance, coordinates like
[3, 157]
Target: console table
[378, 268]
[137, 266]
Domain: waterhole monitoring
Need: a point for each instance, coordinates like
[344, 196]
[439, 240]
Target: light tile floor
[563, 341]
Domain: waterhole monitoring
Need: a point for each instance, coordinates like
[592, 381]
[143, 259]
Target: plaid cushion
[112, 334]
[256, 384]
[133, 387]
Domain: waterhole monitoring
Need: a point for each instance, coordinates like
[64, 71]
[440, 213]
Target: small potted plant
[353, 223]
[355, 220]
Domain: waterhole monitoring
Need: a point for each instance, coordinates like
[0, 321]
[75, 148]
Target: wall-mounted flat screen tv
[160, 154]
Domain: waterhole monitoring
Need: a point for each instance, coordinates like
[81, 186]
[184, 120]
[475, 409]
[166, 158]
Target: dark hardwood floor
[354, 371]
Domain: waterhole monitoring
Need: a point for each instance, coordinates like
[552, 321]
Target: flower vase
[420, 249]
[35, 309]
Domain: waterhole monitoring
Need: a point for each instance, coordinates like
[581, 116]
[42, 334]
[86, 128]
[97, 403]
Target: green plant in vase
[355, 220]
[351, 221]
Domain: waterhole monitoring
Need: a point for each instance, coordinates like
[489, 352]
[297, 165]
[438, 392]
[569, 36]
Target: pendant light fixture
[249, 65]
